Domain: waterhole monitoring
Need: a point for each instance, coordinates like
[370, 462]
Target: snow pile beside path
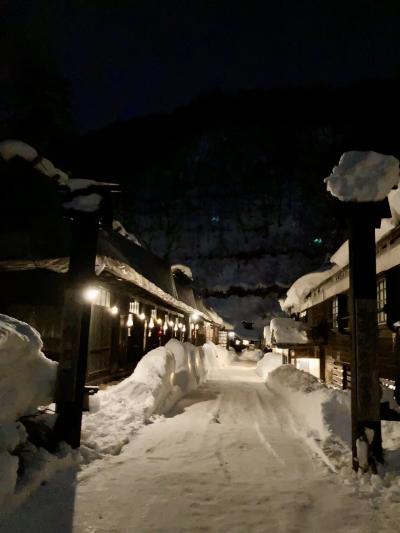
[216, 356]
[320, 414]
[27, 380]
[250, 355]
[363, 177]
[160, 379]
[268, 363]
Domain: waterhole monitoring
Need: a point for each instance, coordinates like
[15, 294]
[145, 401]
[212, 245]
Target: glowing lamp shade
[114, 310]
[194, 317]
[159, 321]
[142, 316]
[180, 325]
[90, 294]
[151, 323]
[170, 323]
[231, 334]
[129, 322]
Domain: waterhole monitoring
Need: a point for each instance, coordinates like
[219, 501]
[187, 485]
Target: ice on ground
[363, 177]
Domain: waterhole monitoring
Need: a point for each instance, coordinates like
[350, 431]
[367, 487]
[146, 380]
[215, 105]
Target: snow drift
[27, 380]
[319, 413]
[268, 363]
[160, 379]
[250, 355]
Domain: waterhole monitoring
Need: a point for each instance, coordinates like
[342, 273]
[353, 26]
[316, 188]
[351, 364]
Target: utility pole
[72, 367]
[365, 388]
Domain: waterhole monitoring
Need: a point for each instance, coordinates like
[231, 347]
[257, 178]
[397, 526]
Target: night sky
[125, 58]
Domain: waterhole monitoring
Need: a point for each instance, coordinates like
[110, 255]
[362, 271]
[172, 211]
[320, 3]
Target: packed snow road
[226, 459]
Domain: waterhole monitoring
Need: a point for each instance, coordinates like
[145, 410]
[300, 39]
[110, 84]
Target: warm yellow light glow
[170, 323]
[237, 342]
[196, 327]
[183, 328]
[114, 310]
[245, 342]
[142, 316]
[151, 323]
[129, 322]
[159, 321]
[180, 326]
[90, 294]
[194, 317]
[231, 334]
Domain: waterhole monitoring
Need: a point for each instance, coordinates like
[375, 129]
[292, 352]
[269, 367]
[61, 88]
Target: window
[102, 297]
[134, 307]
[381, 300]
[335, 312]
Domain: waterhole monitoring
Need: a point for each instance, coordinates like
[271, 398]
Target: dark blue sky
[129, 58]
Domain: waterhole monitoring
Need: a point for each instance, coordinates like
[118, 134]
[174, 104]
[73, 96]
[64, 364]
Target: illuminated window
[335, 312]
[381, 300]
[134, 307]
[98, 296]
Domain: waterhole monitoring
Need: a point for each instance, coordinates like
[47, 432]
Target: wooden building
[325, 309]
[136, 303]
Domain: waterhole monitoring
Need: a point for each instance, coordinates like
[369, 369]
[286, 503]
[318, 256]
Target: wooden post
[76, 323]
[365, 388]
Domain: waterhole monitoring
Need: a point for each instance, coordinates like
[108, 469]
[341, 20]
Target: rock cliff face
[233, 186]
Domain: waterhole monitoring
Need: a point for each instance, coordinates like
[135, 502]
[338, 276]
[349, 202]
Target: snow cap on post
[363, 177]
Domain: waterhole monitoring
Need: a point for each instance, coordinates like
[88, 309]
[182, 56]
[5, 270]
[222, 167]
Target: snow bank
[319, 413]
[160, 379]
[251, 355]
[27, 377]
[27, 380]
[268, 363]
[288, 331]
[216, 356]
[363, 177]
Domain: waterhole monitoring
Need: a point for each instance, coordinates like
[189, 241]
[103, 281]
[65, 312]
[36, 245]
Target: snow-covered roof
[363, 177]
[11, 148]
[300, 289]
[187, 271]
[287, 331]
[119, 228]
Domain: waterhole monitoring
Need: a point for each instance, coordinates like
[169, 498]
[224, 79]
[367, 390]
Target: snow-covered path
[227, 459]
